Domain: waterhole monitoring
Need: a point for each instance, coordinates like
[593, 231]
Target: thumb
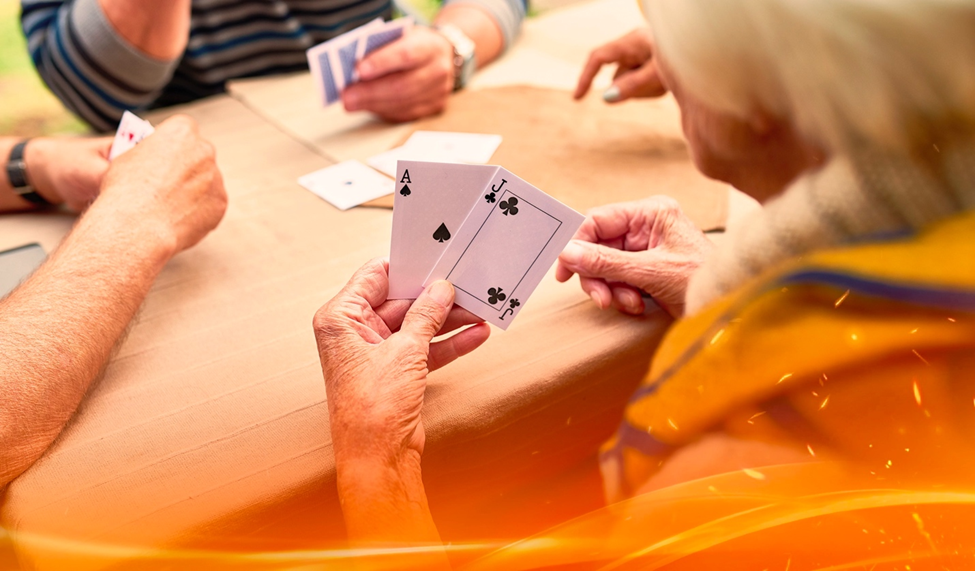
[400, 55]
[595, 261]
[641, 82]
[429, 312]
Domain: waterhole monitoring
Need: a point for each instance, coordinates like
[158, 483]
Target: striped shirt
[98, 75]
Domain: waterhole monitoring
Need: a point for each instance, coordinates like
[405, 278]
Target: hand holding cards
[131, 131]
[491, 234]
[333, 63]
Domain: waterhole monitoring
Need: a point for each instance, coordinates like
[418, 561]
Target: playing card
[332, 63]
[131, 131]
[432, 201]
[387, 33]
[347, 184]
[504, 248]
[386, 162]
[323, 73]
[472, 148]
[441, 147]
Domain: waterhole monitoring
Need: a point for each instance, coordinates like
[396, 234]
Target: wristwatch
[464, 63]
[17, 174]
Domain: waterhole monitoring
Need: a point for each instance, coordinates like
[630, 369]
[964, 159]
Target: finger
[457, 318]
[562, 273]
[370, 282]
[598, 291]
[445, 352]
[428, 314]
[417, 111]
[401, 87]
[641, 82]
[626, 299]
[597, 59]
[403, 54]
[402, 96]
[625, 225]
[596, 261]
[394, 311]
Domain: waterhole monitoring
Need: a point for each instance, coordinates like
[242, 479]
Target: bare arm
[159, 28]
[479, 26]
[376, 355]
[58, 330]
[60, 327]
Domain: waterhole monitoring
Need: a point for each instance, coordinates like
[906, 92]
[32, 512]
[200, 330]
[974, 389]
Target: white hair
[889, 73]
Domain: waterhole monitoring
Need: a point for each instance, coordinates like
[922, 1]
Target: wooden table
[210, 427]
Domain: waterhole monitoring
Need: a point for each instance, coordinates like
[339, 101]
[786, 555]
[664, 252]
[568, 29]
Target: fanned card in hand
[490, 233]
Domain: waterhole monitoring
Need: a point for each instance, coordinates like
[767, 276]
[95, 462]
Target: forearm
[101, 60]
[385, 505]
[157, 29]
[479, 25]
[58, 330]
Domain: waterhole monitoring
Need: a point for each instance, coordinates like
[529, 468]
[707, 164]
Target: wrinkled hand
[69, 171]
[376, 355]
[170, 182]
[410, 78]
[625, 249]
[636, 69]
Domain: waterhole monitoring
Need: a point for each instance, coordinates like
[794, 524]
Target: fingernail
[442, 292]
[572, 254]
[611, 95]
[630, 302]
[365, 70]
[595, 299]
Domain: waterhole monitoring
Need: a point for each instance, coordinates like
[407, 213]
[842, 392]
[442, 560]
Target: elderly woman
[835, 323]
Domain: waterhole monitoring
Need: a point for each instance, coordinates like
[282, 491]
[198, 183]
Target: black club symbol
[495, 295]
[489, 198]
[509, 206]
[514, 303]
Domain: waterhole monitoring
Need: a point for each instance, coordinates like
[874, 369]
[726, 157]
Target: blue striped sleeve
[508, 14]
[87, 64]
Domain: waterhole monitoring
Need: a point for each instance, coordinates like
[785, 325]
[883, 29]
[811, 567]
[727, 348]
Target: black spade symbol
[405, 191]
[442, 234]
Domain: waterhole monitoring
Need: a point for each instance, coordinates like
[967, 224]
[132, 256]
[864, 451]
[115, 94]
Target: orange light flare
[811, 452]
[824, 403]
[754, 474]
[784, 377]
[717, 336]
[841, 299]
[751, 420]
[923, 360]
[917, 393]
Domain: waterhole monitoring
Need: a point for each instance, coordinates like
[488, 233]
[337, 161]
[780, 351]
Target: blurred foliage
[27, 108]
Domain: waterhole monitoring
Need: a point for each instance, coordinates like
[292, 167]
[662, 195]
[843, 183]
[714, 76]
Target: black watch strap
[17, 174]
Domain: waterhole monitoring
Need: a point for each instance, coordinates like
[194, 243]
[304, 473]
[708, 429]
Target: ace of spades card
[431, 202]
[506, 245]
